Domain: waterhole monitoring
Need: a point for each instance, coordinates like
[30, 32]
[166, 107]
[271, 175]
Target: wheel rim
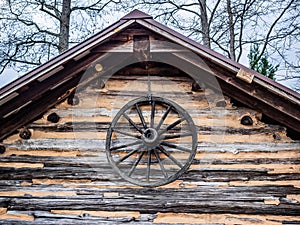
[151, 143]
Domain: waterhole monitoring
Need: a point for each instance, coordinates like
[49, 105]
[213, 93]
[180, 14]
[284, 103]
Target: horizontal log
[103, 127]
[78, 221]
[188, 218]
[43, 217]
[105, 173]
[262, 191]
[208, 192]
[98, 145]
[217, 112]
[101, 159]
[150, 205]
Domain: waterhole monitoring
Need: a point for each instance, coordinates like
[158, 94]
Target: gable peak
[136, 14]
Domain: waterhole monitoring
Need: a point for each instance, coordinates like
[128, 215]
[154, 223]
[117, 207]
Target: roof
[136, 14]
[28, 97]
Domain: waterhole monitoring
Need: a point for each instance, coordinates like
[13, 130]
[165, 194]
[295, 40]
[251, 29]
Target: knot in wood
[2, 149]
[25, 133]
[53, 117]
[247, 120]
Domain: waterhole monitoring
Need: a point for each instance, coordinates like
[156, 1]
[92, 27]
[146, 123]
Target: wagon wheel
[151, 142]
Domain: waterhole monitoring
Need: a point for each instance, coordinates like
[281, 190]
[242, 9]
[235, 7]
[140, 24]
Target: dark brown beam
[35, 89]
[253, 95]
[43, 97]
[35, 109]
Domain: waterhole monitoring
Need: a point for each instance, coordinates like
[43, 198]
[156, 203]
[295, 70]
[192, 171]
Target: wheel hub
[150, 137]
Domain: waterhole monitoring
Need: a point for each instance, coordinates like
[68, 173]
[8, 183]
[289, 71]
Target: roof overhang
[245, 85]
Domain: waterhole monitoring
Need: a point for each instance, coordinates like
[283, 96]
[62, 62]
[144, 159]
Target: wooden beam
[253, 95]
[54, 89]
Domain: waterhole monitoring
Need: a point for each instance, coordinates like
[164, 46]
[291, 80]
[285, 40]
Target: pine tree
[262, 65]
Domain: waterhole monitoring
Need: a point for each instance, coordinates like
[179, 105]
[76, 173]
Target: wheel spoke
[152, 114]
[161, 164]
[126, 145]
[163, 117]
[136, 163]
[126, 133]
[172, 125]
[148, 166]
[175, 146]
[175, 123]
[127, 156]
[162, 149]
[138, 109]
[132, 123]
[174, 136]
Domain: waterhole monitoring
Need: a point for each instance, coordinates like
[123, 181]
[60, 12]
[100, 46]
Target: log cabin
[141, 125]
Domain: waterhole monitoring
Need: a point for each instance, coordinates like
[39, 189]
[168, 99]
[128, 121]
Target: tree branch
[57, 14]
[245, 9]
[270, 31]
[92, 6]
[213, 12]
[31, 23]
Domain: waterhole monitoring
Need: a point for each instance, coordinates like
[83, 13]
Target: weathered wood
[98, 145]
[105, 173]
[75, 221]
[153, 205]
[52, 94]
[192, 218]
[206, 192]
[277, 108]
[100, 158]
[66, 179]
[103, 126]
[215, 113]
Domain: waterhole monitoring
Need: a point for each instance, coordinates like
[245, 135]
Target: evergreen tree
[261, 65]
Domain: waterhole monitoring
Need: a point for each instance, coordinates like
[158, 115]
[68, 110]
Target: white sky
[8, 76]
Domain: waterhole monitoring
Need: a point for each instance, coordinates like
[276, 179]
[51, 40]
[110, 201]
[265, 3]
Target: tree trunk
[204, 24]
[231, 31]
[64, 26]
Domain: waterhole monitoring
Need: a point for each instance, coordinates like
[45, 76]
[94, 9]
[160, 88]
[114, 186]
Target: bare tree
[231, 26]
[37, 30]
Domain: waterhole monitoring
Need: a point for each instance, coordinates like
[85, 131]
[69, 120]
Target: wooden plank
[42, 153]
[93, 110]
[105, 173]
[275, 165]
[111, 214]
[253, 96]
[165, 204]
[45, 217]
[36, 193]
[20, 165]
[270, 168]
[188, 218]
[18, 217]
[44, 99]
[98, 145]
[74, 221]
[295, 183]
[43, 130]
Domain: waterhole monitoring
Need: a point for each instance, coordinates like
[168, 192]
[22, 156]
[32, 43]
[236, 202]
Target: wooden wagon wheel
[151, 142]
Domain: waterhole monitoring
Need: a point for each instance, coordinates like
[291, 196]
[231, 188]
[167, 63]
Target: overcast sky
[8, 76]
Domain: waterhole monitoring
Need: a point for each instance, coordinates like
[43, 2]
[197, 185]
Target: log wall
[242, 174]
